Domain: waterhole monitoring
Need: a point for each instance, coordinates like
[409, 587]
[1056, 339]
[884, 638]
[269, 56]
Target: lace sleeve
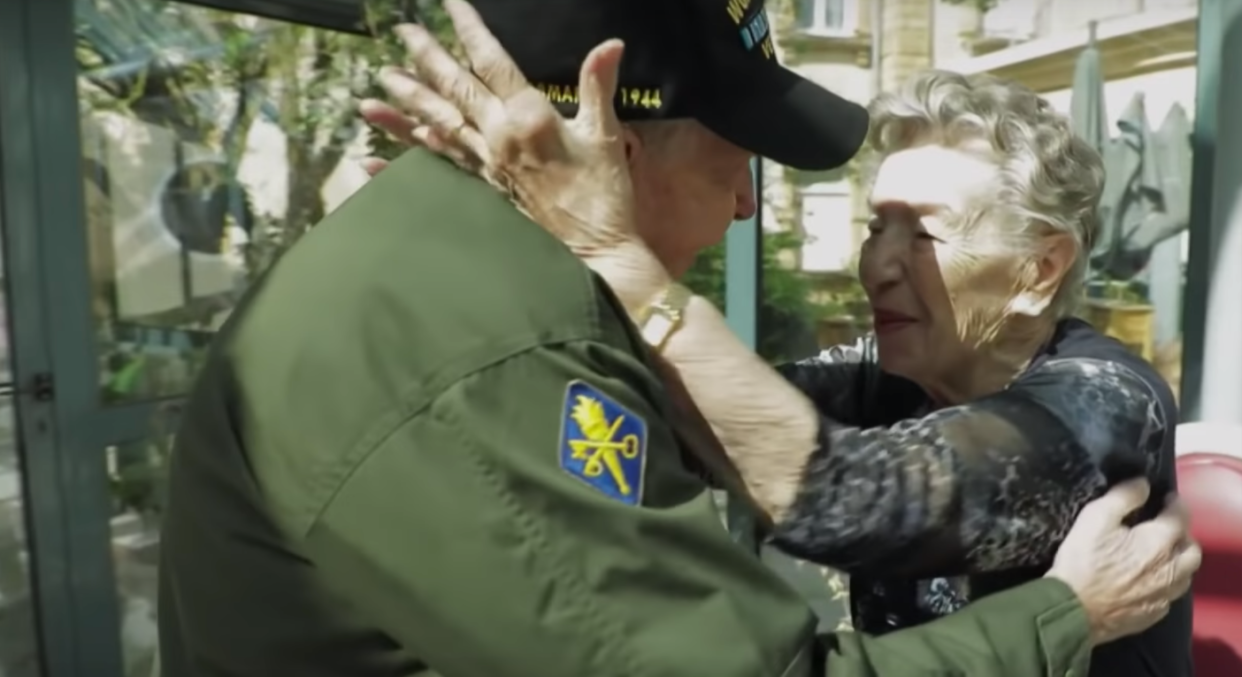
[846, 385]
[986, 486]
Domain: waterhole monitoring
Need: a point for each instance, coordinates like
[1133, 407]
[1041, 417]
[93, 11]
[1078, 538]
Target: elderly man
[432, 442]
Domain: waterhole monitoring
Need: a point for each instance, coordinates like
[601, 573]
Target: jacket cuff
[1064, 631]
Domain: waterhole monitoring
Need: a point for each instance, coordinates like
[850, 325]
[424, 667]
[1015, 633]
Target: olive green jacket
[431, 442]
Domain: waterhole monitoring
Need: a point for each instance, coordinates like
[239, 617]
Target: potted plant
[1120, 309]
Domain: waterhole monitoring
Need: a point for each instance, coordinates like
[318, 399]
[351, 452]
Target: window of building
[827, 17]
[828, 227]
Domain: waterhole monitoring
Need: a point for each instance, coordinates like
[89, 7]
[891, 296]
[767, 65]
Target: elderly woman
[944, 456]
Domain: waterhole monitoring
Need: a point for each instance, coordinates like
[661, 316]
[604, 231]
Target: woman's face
[939, 288]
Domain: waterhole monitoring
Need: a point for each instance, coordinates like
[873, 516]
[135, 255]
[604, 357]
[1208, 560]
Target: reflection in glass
[19, 647]
[211, 142]
[136, 483]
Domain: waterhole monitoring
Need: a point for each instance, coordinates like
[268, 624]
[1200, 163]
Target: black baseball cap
[709, 60]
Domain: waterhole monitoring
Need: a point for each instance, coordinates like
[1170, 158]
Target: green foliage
[209, 75]
[983, 6]
[380, 17]
[787, 314]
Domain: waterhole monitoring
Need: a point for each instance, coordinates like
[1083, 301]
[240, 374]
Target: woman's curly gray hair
[1050, 178]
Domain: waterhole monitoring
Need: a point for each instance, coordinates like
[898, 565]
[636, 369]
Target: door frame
[63, 426]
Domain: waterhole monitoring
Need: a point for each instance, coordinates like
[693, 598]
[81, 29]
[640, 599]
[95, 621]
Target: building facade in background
[858, 48]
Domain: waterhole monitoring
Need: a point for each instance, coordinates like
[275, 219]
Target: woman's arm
[989, 485]
[986, 486]
[768, 427]
[845, 384]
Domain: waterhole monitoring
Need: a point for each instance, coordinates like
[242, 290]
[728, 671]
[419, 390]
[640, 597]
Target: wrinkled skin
[569, 176]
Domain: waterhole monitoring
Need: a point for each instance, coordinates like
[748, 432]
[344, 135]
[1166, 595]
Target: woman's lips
[889, 321]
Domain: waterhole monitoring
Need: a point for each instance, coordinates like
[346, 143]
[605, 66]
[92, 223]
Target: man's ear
[633, 142]
[1057, 254]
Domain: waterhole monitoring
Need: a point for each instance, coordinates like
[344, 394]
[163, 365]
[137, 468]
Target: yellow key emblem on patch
[603, 443]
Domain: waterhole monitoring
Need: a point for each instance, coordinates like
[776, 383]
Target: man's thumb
[373, 165]
[1121, 501]
[597, 86]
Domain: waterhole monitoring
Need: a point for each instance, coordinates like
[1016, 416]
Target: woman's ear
[1059, 252]
[1056, 255]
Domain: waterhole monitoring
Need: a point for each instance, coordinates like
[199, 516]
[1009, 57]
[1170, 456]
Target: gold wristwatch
[664, 315]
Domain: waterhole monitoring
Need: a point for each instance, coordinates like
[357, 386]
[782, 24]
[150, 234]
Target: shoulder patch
[603, 443]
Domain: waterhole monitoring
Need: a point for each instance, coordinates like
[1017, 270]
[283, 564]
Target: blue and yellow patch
[603, 443]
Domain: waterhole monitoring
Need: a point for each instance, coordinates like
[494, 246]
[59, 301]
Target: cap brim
[782, 116]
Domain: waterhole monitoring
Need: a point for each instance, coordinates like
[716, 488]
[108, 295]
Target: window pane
[834, 13]
[804, 13]
[210, 141]
[136, 480]
[19, 647]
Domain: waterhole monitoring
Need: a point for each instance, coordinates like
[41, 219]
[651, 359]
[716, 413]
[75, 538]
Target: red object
[1211, 486]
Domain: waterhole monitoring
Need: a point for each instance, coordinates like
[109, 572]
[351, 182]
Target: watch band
[664, 315]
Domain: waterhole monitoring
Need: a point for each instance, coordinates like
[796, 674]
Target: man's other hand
[1126, 577]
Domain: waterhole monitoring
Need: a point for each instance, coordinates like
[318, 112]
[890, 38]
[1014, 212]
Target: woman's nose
[879, 265]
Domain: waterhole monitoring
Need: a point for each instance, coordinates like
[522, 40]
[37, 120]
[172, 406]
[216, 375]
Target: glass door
[174, 151]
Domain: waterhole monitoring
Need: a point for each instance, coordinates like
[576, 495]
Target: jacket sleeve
[990, 485]
[1037, 629]
[535, 519]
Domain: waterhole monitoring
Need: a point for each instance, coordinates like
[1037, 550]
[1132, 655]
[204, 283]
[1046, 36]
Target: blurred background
[209, 136]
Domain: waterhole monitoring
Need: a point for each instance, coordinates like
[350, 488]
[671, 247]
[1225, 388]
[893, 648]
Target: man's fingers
[489, 60]
[396, 124]
[1176, 510]
[373, 165]
[461, 156]
[441, 72]
[1113, 507]
[1185, 565]
[1169, 532]
[433, 110]
[597, 87]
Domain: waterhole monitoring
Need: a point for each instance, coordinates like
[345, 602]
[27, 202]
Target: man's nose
[746, 202]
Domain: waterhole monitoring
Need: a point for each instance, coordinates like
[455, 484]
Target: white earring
[1025, 304]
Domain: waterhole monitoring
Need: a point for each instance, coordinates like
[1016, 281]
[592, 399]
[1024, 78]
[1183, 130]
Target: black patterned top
[928, 509]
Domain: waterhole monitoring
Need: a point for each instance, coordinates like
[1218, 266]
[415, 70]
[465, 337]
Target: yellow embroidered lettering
[737, 9]
[559, 93]
[768, 48]
[627, 97]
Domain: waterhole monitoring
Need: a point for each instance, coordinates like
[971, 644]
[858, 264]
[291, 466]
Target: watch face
[657, 327]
